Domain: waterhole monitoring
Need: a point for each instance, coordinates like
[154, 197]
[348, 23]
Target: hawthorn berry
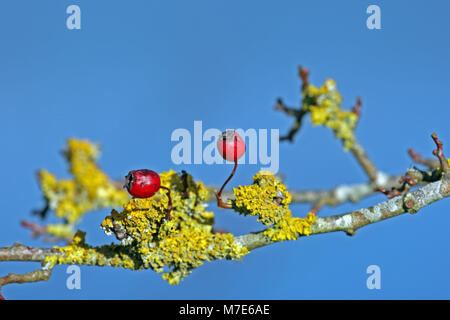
[231, 147]
[144, 183]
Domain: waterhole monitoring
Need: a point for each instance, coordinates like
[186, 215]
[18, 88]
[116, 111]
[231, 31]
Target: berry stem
[169, 205]
[220, 203]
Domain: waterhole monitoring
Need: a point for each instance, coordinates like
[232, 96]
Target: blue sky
[137, 70]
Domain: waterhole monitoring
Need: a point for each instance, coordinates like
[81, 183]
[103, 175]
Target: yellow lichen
[62, 230]
[324, 104]
[90, 188]
[268, 199]
[290, 228]
[173, 247]
[78, 252]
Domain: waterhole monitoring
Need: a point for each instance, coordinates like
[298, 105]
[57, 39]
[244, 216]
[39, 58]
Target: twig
[33, 276]
[406, 183]
[298, 114]
[42, 231]
[303, 73]
[418, 158]
[356, 109]
[439, 153]
[19, 252]
[356, 149]
[364, 161]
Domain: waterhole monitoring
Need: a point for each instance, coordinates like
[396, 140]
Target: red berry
[142, 183]
[231, 146]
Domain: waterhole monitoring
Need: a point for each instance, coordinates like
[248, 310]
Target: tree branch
[348, 222]
[418, 158]
[34, 276]
[39, 230]
[368, 166]
[19, 252]
[352, 221]
[337, 195]
[298, 114]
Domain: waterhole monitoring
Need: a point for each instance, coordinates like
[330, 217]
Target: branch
[298, 114]
[347, 222]
[439, 153]
[418, 158]
[34, 276]
[356, 149]
[19, 252]
[39, 230]
[368, 166]
[352, 221]
[334, 196]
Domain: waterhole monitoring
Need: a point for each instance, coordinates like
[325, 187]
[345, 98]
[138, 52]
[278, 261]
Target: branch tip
[304, 75]
[357, 107]
[418, 158]
[439, 153]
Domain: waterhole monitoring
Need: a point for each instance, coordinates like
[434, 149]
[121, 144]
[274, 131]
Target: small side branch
[297, 114]
[364, 161]
[19, 252]
[34, 276]
[419, 159]
[39, 230]
[439, 153]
